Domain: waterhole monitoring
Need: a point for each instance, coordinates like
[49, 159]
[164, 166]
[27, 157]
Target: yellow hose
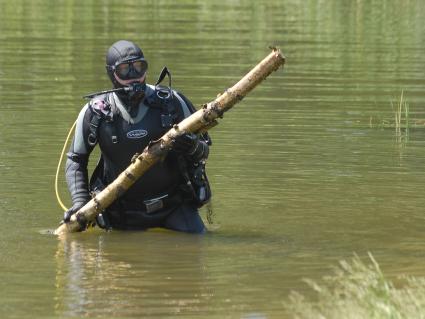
[59, 165]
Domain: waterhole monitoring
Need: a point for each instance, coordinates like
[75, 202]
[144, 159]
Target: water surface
[302, 171]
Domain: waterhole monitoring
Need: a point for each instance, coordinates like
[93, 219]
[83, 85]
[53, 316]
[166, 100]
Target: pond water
[307, 170]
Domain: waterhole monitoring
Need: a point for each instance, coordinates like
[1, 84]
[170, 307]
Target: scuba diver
[123, 121]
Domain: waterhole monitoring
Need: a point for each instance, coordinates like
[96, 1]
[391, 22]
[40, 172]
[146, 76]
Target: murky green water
[300, 178]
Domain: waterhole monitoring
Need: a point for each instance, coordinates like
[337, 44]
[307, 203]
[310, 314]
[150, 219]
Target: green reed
[401, 114]
[360, 290]
[401, 117]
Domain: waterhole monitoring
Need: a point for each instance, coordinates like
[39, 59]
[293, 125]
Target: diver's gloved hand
[192, 147]
[75, 208]
[186, 143]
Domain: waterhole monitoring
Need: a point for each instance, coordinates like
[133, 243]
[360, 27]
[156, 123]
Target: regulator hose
[59, 165]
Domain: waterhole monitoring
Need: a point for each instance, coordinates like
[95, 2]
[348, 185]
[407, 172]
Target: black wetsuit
[119, 138]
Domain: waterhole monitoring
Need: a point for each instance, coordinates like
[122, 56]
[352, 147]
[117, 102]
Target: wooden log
[200, 121]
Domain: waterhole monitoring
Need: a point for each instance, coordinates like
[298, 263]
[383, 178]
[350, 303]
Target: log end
[72, 226]
[278, 55]
[66, 228]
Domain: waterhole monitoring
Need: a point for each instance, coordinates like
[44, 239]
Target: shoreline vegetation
[360, 290]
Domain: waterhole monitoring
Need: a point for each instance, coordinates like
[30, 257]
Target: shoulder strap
[163, 98]
[94, 124]
[205, 136]
[102, 109]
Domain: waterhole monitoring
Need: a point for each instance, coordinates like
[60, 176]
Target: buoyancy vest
[121, 134]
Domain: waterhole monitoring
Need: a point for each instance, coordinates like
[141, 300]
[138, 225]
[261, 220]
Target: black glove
[186, 143]
[75, 208]
[192, 147]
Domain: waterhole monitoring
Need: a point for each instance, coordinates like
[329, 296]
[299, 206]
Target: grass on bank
[360, 290]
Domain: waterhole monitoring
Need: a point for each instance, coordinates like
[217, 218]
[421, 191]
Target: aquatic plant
[401, 117]
[402, 108]
[360, 290]
[401, 123]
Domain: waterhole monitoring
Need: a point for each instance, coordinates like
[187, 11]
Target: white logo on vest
[137, 134]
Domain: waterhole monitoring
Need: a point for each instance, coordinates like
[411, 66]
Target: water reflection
[125, 274]
[160, 273]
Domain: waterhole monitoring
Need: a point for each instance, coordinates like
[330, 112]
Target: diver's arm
[77, 178]
[76, 165]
